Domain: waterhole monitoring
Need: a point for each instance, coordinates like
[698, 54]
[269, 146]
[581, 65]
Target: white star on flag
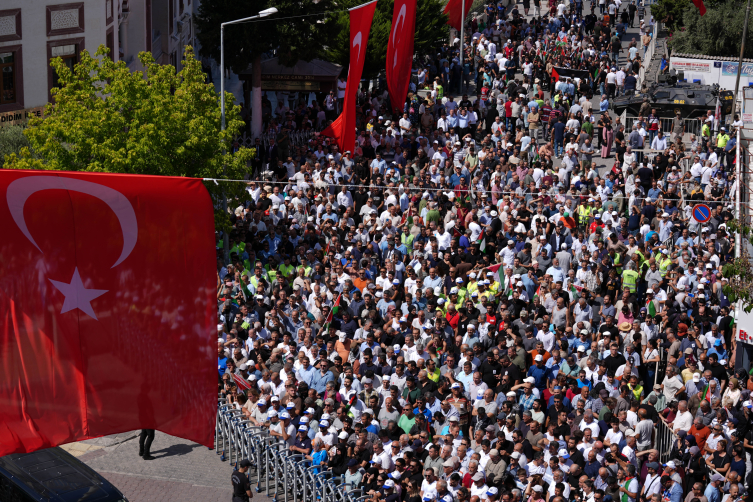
[77, 296]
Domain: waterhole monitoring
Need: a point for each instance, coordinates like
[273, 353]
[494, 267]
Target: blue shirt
[711, 493]
[318, 457]
[540, 375]
[319, 381]
[222, 365]
[306, 374]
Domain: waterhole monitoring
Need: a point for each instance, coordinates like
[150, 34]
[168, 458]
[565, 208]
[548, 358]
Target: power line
[471, 191]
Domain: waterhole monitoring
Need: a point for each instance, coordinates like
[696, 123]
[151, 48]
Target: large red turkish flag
[343, 129]
[107, 299]
[400, 51]
[454, 11]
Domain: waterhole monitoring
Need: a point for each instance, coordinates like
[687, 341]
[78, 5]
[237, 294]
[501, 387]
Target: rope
[472, 191]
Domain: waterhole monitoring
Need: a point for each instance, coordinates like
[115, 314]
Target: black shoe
[141, 452]
[148, 457]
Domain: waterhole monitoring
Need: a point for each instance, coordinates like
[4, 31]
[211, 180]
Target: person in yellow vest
[706, 130]
[585, 211]
[664, 262]
[630, 277]
[258, 275]
[461, 291]
[286, 269]
[407, 241]
[472, 283]
[722, 138]
[271, 268]
[441, 307]
[455, 298]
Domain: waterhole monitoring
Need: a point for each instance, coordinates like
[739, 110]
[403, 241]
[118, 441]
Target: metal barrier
[278, 472]
[665, 441]
[693, 126]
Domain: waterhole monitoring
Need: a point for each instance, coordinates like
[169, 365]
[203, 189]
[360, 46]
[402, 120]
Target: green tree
[294, 33]
[670, 12]
[431, 32]
[717, 33]
[104, 118]
[12, 141]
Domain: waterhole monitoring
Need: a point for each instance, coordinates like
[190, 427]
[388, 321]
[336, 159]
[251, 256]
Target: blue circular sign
[701, 213]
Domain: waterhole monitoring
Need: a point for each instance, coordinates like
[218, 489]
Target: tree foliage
[105, 118]
[670, 12]
[431, 32]
[292, 39]
[717, 33]
[12, 141]
[739, 272]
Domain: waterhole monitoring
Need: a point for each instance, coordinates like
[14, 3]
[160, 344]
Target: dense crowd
[503, 298]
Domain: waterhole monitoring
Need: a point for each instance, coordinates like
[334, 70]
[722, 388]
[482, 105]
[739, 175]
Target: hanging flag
[108, 307]
[555, 75]
[400, 52]
[700, 6]
[455, 14]
[343, 129]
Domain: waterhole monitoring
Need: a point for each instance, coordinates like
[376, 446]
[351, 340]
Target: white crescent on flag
[400, 19]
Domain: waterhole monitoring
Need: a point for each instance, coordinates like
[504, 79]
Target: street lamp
[264, 13]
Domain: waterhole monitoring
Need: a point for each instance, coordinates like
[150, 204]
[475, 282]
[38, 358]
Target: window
[8, 82]
[68, 54]
[67, 50]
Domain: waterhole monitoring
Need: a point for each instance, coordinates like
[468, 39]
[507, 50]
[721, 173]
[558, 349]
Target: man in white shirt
[684, 419]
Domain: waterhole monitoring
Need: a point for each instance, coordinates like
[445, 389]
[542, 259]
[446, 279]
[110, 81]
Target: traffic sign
[701, 213]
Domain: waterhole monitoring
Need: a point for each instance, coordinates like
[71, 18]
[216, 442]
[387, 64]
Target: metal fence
[648, 55]
[297, 138]
[692, 126]
[277, 472]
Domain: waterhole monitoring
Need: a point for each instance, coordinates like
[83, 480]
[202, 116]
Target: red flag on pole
[241, 383]
[701, 7]
[343, 129]
[400, 51]
[454, 11]
[107, 306]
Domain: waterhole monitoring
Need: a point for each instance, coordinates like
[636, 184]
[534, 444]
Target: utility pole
[740, 63]
[462, 39]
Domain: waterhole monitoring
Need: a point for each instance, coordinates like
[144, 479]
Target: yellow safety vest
[630, 280]
[664, 265]
[721, 140]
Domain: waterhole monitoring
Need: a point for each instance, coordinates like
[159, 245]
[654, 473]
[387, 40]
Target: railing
[665, 441]
[648, 55]
[297, 138]
[277, 472]
[692, 126]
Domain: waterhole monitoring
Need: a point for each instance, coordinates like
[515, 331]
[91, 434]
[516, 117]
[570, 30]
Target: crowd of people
[496, 299]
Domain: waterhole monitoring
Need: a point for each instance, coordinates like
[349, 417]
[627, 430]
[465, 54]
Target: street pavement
[181, 470]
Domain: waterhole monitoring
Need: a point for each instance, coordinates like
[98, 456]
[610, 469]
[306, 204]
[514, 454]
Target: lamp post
[264, 13]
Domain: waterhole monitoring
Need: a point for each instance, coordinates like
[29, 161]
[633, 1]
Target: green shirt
[406, 423]
[432, 215]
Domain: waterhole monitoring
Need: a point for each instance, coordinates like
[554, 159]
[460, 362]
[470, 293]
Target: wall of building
[31, 29]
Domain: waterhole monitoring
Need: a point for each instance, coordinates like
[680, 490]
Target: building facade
[33, 32]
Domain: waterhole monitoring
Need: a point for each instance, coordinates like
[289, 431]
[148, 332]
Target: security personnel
[584, 213]
[241, 486]
[722, 138]
[630, 278]
[664, 262]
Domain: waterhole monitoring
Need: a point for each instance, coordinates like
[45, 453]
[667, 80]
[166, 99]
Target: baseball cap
[389, 484]
[303, 428]
[343, 435]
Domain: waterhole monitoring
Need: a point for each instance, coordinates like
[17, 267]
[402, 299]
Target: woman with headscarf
[695, 467]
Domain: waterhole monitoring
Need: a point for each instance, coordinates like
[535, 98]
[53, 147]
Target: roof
[314, 68]
[711, 58]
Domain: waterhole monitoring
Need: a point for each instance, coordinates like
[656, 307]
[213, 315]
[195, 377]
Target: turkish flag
[400, 51]
[454, 11]
[343, 129]
[108, 308]
[701, 7]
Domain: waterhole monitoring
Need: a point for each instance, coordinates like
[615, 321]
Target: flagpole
[462, 37]
[740, 63]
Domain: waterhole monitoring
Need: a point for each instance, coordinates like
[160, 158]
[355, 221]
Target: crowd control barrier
[276, 471]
